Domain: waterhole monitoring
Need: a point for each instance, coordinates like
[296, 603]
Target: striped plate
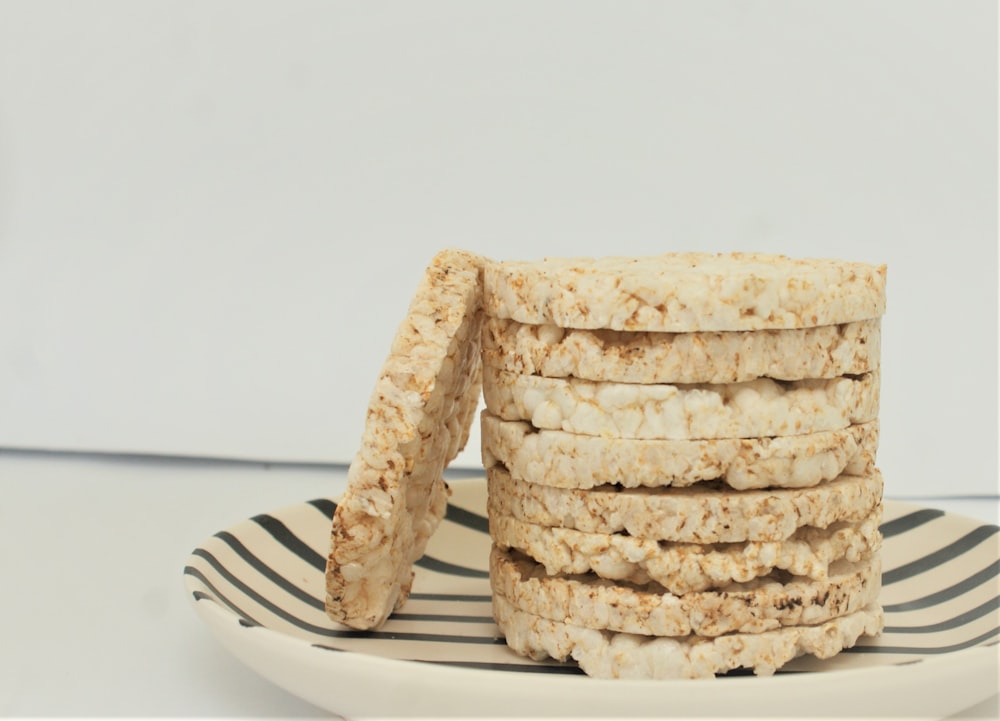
[259, 586]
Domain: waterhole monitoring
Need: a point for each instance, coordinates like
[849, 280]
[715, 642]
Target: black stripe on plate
[325, 506]
[270, 606]
[437, 565]
[464, 597]
[337, 649]
[468, 519]
[946, 594]
[927, 650]
[284, 535]
[940, 556]
[216, 596]
[440, 617]
[252, 594]
[560, 669]
[750, 672]
[539, 667]
[909, 521]
[269, 573]
[290, 618]
[948, 624]
[388, 634]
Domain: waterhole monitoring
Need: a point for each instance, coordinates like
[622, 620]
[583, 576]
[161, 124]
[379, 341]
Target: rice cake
[762, 604]
[696, 357]
[607, 654]
[761, 407]
[687, 567]
[684, 292]
[419, 417]
[698, 514]
[569, 460]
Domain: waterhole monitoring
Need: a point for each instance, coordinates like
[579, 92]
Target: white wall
[212, 214]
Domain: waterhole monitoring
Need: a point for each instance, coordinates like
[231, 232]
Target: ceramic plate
[259, 586]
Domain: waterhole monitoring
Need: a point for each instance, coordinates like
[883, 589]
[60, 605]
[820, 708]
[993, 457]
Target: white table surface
[95, 620]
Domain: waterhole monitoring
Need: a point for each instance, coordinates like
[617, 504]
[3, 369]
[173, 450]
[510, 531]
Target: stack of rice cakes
[680, 456]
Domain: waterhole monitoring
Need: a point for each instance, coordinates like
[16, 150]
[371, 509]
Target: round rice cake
[682, 568]
[697, 357]
[762, 604]
[419, 418]
[699, 514]
[750, 409]
[608, 654]
[684, 292]
[570, 460]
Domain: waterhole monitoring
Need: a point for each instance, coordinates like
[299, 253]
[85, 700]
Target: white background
[213, 214]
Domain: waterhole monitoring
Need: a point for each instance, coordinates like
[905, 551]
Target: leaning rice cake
[418, 419]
